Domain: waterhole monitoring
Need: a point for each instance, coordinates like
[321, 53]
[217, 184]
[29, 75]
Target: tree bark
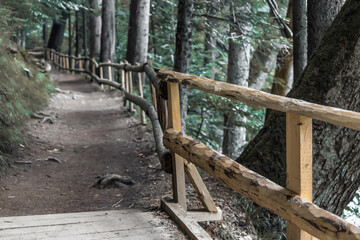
[262, 62]
[57, 32]
[320, 15]
[70, 38]
[95, 28]
[107, 48]
[77, 32]
[284, 76]
[45, 33]
[330, 78]
[238, 73]
[299, 37]
[183, 51]
[138, 35]
[85, 36]
[210, 44]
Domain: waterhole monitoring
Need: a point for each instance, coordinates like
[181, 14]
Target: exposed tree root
[51, 159]
[23, 162]
[113, 180]
[44, 117]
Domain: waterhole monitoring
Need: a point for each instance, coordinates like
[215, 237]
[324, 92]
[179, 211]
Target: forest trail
[92, 135]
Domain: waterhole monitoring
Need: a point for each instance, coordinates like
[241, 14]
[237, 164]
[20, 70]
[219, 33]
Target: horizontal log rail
[292, 203]
[253, 97]
[306, 215]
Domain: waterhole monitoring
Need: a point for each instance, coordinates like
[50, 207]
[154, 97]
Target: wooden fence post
[80, 63]
[93, 68]
[73, 63]
[140, 87]
[101, 76]
[178, 176]
[67, 63]
[122, 76]
[64, 63]
[298, 164]
[110, 73]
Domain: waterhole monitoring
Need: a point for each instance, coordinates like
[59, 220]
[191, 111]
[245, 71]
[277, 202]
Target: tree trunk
[77, 32]
[85, 38]
[57, 32]
[238, 73]
[299, 37]
[95, 28]
[262, 62]
[183, 50]
[320, 15]
[70, 38]
[283, 79]
[138, 35]
[107, 48]
[45, 33]
[330, 78]
[210, 45]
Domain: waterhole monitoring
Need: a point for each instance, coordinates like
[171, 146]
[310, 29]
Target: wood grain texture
[285, 203]
[178, 176]
[188, 224]
[258, 98]
[200, 187]
[123, 224]
[298, 164]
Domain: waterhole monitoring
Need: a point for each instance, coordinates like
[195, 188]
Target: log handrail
[306, 215]
[253, 97]
[283, 202]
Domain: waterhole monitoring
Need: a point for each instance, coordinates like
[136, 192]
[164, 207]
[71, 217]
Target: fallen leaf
[2, 188]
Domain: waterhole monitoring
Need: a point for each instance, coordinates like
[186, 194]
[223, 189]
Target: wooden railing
[293, 203]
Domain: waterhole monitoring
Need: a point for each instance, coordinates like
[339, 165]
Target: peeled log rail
[150, 73]
[305, 215]
[258, 98]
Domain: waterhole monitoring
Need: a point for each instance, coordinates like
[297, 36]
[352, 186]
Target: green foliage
[20, 95]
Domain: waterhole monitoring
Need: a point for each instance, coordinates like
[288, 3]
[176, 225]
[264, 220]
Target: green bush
[20, 95]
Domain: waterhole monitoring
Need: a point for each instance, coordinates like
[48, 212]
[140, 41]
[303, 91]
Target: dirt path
[92, 135]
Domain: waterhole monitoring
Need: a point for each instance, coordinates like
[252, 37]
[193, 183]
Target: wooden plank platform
[121, 224]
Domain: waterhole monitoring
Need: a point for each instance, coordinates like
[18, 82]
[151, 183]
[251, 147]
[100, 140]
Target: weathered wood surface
[298, 164]
[305, 215]
[188, 224]
[258, 98]
[178, 175]
[200, 187]
[122, 224]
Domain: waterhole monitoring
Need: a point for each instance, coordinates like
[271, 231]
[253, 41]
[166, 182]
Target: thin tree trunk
[183, 50]
[138, 35]
[57, 32]
[330, 78]
[299, 37]
[238, 73]
[85, 38]
[45, 33]
[320, 15]
[283, 79]
[70, 38]
[210, 45]
[77, 32]
[262, 62]
[95, 28]
[107, 48]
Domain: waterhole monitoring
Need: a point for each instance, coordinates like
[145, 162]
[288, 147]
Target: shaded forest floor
[93, 135]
